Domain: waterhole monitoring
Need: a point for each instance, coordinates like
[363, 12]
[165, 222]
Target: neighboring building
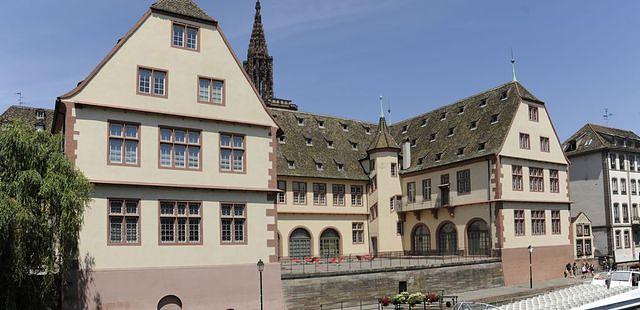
[40, 119]
[181, 152]
[582, 237]
[605, 174]
[483, 176]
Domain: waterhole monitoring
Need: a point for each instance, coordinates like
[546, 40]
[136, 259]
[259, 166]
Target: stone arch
[478, 234]
[447, 238]
[300, 243]
[330, 242]
[420, 239]
[170, 302]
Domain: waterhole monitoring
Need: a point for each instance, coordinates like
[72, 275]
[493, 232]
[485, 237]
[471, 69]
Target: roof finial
[381, 108]
[606, 115]
[513, 67]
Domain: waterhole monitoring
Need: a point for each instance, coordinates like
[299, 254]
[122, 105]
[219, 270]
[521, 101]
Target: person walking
[567, 270]
[574, 269]
[584, 270]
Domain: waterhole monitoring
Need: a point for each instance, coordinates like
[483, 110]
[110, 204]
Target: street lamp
[260, 269]
[530, 268]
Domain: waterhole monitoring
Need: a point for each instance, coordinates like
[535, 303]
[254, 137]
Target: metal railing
[400, 260]
[443, 302]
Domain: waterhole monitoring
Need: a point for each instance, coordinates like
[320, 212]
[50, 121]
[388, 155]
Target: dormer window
[443, 116]
[354, 146]
[424, 122]
[40, 115]
[420, 160]
[504, 95]
[184, 36]
[320, 124]
[438, 156]
[405, 128]
[330, 144]
[483, 103]
[432, 138]
[460, 151]
[414, 142]
[291, 164]
[345, 127]
[300, 121]
[473, 125]
[494, 118]
[282, 139]
[451, 131]
[367, 130]
[340, 167]
[481, 146]
[319, 166]
[460, 109]
[533, 113]
[309, 141]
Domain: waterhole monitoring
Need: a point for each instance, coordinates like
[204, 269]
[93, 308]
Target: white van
[624, 278]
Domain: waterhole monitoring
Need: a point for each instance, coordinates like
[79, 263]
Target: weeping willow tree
[42, 197]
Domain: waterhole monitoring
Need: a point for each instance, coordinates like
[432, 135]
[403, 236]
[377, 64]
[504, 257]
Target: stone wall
[311, 291]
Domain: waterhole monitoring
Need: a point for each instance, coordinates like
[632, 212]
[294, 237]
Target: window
[538, 222]
[533, 113]
[179, 148]
[291, 164]
[373, 211]
[460, 151]
[394, 169]
[308, 141]
[443, 116]
[337, 190]
[329, 144]
[473, 125]
[518, 216]
[614, 186]
[623, 186]
[618, 241]
[282, 196]
[319, 166]
[627, 239]
[354, 146]
[185, 36]
[395, 202]
[504, 95]
[483, 103]
[232, 153]
[544, 144]
[405, 128]
[516, 178]
[634, 208]
[460, 109]
[613, 161]
[299, 193]
[320, 124]
[625, 213]
[634, 187]
[423, 123]
[123, 143]
[554, 181]
[426, 189]
[525, 144]
[152, 82]
[414, 142]
[438, 156]
[494, 118]
[180, 222]
[622, 161]
[319, 194]
[345, 127]
[340, 167]
[357, 232]
[211, 91]
[451, 131]
[616, 213]
[411, 192]
[282, 139]
[536, 179]
[481, 146]
[372, 164]
[464, 182]
[124, 222]
[40, 115]
[367, 130]
[356, 195]
[632, 162]
[300, 121]
[399, 228]
[432, 137]
[555, 222]
[233, 223]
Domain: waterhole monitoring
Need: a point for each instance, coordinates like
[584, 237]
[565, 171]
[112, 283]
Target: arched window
[420, 240]
[329, 243]
[448, 239]
[478, 238]
[170, 302]
[299, 243]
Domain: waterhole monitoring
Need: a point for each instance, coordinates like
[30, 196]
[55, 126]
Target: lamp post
[260, 269]
[530, 268]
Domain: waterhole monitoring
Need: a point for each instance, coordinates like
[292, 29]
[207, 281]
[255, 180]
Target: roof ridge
[182, 7]
[324, 115]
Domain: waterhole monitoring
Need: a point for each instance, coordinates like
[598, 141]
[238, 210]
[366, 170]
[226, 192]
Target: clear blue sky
[337, 56]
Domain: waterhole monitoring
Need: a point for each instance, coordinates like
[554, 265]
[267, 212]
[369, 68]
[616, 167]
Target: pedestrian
[584, 270]
[574, 269]
[591, 269]
[567, 270]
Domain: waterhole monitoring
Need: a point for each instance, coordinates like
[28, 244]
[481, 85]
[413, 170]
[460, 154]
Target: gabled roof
[459, 116]
[383, 139]
[28, 115]
[592, 138]
[305, 157]
[182, 7]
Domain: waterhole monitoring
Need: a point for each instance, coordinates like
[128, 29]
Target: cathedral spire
[259, 64]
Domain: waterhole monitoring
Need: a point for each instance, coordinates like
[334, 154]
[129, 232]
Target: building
[485, 175]
[181, 150]
[604, 185]
[39, 119]
[582, 237]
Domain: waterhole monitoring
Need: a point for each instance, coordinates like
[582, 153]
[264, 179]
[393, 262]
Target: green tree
[42, 198]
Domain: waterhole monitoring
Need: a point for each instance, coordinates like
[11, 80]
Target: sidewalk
[502, 295]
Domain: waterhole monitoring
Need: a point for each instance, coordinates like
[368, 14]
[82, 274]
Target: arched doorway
[420, 240]
[329, 243]
[448, 239]
[478, 238]
[300, 243]
[170, 302]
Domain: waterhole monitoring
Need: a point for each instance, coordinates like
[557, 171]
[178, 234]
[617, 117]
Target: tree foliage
[42, 198]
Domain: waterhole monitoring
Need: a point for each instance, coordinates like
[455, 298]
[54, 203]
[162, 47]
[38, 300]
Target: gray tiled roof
[383, 139]
[592, 137]
[28, 116]
[182, 7]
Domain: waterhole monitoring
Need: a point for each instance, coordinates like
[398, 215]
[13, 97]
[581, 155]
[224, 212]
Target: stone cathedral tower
[259, 65]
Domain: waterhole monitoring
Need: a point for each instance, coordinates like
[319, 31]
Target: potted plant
[415, 298]
[384, 301]
[400, 298]
[432, 297]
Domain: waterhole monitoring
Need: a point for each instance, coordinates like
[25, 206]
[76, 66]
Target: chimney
[406, 155]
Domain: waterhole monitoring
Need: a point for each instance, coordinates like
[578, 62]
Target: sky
[337, 56]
